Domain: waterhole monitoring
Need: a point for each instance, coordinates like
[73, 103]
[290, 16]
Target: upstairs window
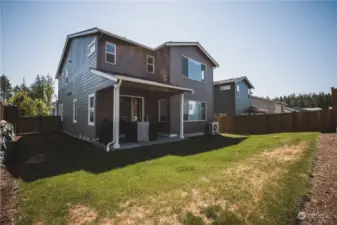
[194, 69]
[92, 47]
[237, 90]
[248, 93]
[91, 109]
[194, 111]
[150, 64]
[67, 76]
[110, 53]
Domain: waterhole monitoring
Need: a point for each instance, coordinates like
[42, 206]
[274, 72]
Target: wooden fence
[39, 124]
[320, 121]
[334, 98]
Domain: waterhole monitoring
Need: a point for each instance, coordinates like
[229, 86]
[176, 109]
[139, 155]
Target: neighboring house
[269, 105]
[103, 76]
[232, 96]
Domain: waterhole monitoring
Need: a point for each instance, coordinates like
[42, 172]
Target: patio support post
[181, 135]
[116, 116]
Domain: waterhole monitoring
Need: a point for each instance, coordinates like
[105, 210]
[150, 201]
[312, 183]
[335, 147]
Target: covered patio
[138, 110]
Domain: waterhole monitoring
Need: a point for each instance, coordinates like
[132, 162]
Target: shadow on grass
[38, 156]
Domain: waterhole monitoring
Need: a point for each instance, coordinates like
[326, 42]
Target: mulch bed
[322, 205]
[9, 189]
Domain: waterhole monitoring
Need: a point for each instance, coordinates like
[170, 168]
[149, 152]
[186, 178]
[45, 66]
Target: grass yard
[207, 180]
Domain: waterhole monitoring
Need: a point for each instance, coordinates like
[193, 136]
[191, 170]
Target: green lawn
[252, 180]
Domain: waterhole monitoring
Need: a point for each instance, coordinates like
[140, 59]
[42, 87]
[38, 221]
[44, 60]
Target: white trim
[159, 110]
[151, 64]
[92, 43]
[91, 109]
[200, 108]
[181, 132]
[106, 52]
[195, 61]
[105, 75]
[75, 111]
[143, 104]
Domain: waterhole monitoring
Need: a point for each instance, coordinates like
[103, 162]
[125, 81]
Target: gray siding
[203, 90]
[242, 101]
[132, 60]
[81, 83]
[224, 101]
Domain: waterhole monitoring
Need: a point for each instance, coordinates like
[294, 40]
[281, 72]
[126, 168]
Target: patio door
[131, 108]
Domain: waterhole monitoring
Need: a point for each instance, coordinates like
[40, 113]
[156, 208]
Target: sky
[282, 47]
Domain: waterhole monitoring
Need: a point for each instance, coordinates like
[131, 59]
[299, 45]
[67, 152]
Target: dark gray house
[104, 77]
[232, 96]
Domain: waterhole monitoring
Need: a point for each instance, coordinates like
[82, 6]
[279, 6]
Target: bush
[7, 134]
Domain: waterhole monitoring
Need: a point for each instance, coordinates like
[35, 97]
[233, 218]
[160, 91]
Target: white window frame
[75, 109]
[92, 44]
[248, 93]
[132, 97]
[162, 121]
[61, 111]
[225, 87]
[91, 109]
[200, 108]
[151, 64]
[66, 76]
[106, 52]
[237, 90]
[62, 77]
[196, 61]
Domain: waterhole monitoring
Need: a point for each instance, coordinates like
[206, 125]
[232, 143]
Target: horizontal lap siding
[81, 83]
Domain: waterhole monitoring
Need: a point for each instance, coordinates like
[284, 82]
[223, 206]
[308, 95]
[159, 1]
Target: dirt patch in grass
[8, 197]
[80, 214]
[285, 153]
[321, 207]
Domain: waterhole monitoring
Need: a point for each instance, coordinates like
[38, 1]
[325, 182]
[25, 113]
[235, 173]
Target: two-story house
[102, 76]
[233, 96]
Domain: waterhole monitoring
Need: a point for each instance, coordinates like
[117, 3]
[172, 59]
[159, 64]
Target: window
[248, 93]
[237, 90]
[61, 111]
[110, 53]
[194, 69]
[194, 111]
[163, 110]
[91, 109]
[225, 87]
[66, 76]
[150, 64]
[92, 47]
[75, 110]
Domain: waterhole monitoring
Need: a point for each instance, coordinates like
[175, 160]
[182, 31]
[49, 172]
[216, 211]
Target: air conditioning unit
[213, 128]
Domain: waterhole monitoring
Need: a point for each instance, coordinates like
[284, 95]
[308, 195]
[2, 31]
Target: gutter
[116, 87]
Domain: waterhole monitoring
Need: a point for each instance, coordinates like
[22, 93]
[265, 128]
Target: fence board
[320, 121]
[36, 124]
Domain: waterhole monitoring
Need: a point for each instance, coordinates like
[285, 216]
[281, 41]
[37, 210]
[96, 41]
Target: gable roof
[268, 100]
[234, 80]
[98, 30]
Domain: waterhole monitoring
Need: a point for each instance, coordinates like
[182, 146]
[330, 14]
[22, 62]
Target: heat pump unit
[213, 128]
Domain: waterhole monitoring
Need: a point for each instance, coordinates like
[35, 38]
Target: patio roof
[117, 76]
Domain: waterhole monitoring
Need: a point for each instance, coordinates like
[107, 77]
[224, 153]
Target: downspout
[116, 86]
